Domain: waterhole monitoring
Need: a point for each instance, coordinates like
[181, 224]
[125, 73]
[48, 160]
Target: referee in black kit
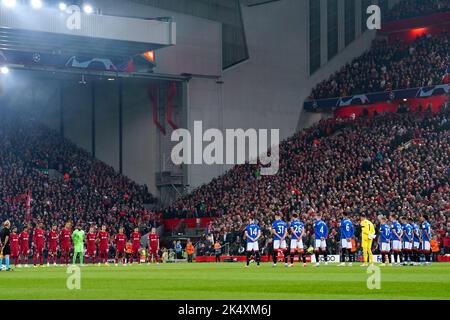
[5, 248]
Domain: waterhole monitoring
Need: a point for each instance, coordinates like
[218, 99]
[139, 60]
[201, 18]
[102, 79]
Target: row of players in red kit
[97, 245]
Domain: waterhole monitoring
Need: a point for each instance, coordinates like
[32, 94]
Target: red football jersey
[121, 240]
[52, 239]
[65, 237]
[14, 241]
[103, 236]
[136, 240]
[39, 237]
[153, 240]
[24, 240]
[91, 238]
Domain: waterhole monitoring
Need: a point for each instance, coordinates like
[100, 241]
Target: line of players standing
[97, 245]
[404, 239]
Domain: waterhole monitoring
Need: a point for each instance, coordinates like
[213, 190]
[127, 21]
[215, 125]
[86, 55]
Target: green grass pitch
[182, 281]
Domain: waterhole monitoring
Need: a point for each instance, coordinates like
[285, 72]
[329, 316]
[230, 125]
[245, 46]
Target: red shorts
[65, 248]
[120, 250]
[135, 250]
[153, 251]
[39, 250]
[91, 252]
[52, 249]
[24, 251]
[14, 252]
[102, 250]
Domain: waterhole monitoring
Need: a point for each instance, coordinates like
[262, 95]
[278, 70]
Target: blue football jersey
[280, 228]
[252, 231]
[408, 232]
[385, 233]
[320, 229]
[426, 227]
[297, 226]
[347, 230]
[397, 229]
[416, 230]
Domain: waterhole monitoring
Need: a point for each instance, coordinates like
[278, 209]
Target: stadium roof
[46, 30]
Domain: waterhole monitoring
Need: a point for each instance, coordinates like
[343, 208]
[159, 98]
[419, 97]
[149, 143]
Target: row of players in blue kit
[405, 240]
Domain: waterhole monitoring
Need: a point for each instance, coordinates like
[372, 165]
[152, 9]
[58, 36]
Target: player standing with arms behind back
[397, 233]
[426, 238]
[347, 233]
[297, 233]
[320, 239]
[252, 234]
[385, 240]
[280, 232]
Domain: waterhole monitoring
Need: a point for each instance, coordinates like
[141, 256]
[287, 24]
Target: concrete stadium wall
[267, 91]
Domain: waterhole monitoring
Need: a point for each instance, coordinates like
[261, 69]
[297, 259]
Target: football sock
[395, 256]
[7, 262]
[286, 256]
[258, 257]
[383, 257]
[325, 256]
[317, 256]
[292, 258]
[274, 257]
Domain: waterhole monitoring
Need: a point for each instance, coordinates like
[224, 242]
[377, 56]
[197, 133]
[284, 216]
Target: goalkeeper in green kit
[78, 244]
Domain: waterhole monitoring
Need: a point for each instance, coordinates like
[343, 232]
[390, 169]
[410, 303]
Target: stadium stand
[390, 66]
[81, 189]
[408, 9]
[391, 163]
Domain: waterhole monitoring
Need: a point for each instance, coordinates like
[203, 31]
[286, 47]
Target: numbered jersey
[426, 231]
[347, 230]
[252, 231]
[297, 228]
[416, 230]
[385, 233]
[407, 232]
[397, 229]
[320, 229]
[280, 228]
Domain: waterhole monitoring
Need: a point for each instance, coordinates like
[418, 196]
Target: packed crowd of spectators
[390, 66]
[85, 191]
[392, 163]
[407, 9]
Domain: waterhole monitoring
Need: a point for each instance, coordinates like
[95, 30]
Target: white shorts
[320, 244]
[252, 246]
[416, 245]
[396, 245]
[296, 245]
[346, 244]
[385, 247]
[277, 245]
[426, 245]
[407, 245]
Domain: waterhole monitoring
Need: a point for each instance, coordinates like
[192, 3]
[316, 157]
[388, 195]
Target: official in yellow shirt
[367, 236]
